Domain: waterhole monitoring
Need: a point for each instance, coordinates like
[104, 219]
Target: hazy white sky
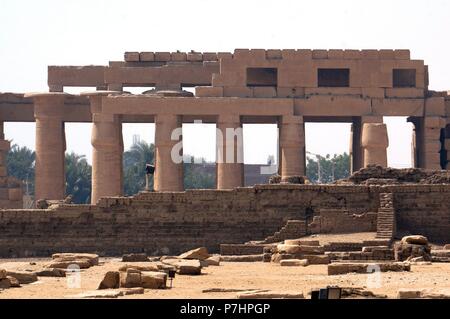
[34, 34]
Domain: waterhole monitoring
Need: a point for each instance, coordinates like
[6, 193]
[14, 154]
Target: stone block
[23, 277]
[317, 259]
[51, 272]
[264, 92]
[5, 283]
[273, 54]
[306, 242]
[336, 54]
[195, 57]
[319, 54]
[130, 278]
[178, 56]
[213, 261]
[435, 106]
[270, 295]
[242, 258]
[208, 91]
[294, 262]
[198, 253]
[237, 91]
[404, 93]
[111, 280]
[402, 54]
[370, 54]
[135, 257]
[15, 194]
[189, 267]
[2, 273]
[162, 56]
[131, 57]
[364, 268]
[147, 56]
[153, 280]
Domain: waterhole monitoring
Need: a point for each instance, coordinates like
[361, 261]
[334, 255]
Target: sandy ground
[256, 275]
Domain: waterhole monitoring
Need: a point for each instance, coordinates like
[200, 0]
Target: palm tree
[78, 178]
[134, 161]
[20, 163]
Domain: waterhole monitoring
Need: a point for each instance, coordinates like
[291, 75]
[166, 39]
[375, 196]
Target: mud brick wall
[423, 209]
[169, 223]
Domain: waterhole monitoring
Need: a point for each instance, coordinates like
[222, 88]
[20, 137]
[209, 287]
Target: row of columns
[369, 144]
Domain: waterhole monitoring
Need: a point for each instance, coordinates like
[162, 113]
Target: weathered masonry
[164, 223]
[286, 87]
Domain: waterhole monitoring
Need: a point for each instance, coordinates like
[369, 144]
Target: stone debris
[304, 242]
[294, 262]
[414, 293]
[13, 282]
[352, 292]
[51, 272]
[317, 259]
[2, 273]
[270, 295]
[232, 290]
[23, 277]
[198, 253]
[135, 258]
[109, 293]
[411, 247]
[66, 260]
[130, 278]
[362, 268]
[111, 280]
[213, 261]
[150, 267]
[5, 283]
[153, 280]
[241, 258]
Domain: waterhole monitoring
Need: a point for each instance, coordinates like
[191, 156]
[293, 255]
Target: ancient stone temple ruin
[284, 87]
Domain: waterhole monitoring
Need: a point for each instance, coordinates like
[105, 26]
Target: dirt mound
[375, 174]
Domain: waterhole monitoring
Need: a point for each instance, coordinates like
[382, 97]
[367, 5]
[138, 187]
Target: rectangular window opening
[333, 77]
[262, 77]
[404, 78]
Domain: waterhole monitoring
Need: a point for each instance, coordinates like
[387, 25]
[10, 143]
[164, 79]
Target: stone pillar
[168, 153]
[431, 142]
[229, 152]
[356, 150]
[50, 145]
[375, 142]
[292, 145]
[107, 150]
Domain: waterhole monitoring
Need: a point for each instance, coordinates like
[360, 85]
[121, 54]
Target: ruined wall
[344, 221]
[168, 223]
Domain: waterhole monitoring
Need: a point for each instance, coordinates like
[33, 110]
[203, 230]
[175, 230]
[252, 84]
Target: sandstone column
[107, 149]
[375, 142]
[230, 152]
[292, 145]
[431, 142]
[356, 150]
[50, 145]
[168, 153]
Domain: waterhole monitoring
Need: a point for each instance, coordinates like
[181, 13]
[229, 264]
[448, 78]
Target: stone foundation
[168, 223]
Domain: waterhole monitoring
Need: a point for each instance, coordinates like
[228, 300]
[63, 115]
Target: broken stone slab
[13, 282]
[51, 272]
[364, 268]
[369, 249]
[317, 259]
[213, 261]
[415, 239]
[92, 258]
[299, 242]
[130, 278]
[294, 262]
[150, 267]
[135, 258]
[153, 280]
[277, 257]
[270, 295]
[189, 267]
[414, 293]
[82, 264]
[300, 249]
[23, 277]
[111, 280]
[441, 253]
[241, 258]
[198, 253]
[109, 293]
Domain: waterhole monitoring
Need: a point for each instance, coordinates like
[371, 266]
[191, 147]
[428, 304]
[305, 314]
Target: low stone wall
[168, 223]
